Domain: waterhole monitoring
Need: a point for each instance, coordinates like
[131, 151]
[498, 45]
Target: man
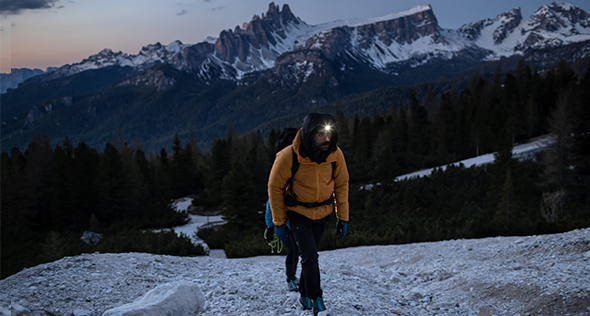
[305, 198]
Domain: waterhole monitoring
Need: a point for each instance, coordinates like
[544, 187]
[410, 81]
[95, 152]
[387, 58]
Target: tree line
[52, 194]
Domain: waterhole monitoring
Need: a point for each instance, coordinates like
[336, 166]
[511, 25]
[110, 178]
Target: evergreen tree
[556, 158]
[418, 127]
[219, 167]
[15, 226]
[511, 105]
[270, 144]
[564, 77]
[161, 171]
[241, 207]
[38, 183]
[137, 192]
[430, 104]
[502, 185]
[581, 136]
[65, 216]
[344, 138]
[444, 124]
[400, 130]
[182, 169]
[118, 202]
[85, 199]
[479, 115]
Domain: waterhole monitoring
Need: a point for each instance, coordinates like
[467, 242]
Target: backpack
[285, 139]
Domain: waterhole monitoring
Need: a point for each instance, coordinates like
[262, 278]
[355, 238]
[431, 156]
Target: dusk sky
[52, 33]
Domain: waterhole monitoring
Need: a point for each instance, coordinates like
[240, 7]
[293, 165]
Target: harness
[291, 198]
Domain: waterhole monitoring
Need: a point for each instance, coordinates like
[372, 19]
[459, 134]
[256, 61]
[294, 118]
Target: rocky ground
[534, 275]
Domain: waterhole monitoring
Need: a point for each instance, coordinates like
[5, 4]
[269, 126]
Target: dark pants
[308, 234]
[292, 257]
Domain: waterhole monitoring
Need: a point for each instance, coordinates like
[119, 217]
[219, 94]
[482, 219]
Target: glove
[341, 229]
[268, 234]
[282, 232]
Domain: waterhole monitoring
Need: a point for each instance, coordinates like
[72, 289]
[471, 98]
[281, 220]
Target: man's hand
[268, 234]
[282, 232]
[341, 229]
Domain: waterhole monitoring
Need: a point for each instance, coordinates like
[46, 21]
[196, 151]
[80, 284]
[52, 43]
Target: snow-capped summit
[147, 57]
[404, 39]
[550, 26]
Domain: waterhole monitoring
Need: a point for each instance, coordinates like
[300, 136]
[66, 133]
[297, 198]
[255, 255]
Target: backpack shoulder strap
[295, 164]
[333, 168]
[294, 168]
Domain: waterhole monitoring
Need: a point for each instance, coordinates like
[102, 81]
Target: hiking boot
[293, 285]
[306, 302]
[319, 309]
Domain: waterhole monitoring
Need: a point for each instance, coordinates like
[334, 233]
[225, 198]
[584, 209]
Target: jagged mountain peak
[509, 34]
[403, 36]
[557, 16]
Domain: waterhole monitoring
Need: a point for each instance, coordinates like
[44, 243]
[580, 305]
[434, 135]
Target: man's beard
[324, 146]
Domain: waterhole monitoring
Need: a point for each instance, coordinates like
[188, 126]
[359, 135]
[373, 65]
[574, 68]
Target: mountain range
[269, 71]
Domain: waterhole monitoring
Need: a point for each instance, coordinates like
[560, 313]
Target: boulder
[176, 298]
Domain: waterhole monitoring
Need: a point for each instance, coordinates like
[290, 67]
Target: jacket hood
[311, 123]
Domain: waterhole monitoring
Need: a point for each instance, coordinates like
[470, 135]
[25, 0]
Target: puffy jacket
[312, 182]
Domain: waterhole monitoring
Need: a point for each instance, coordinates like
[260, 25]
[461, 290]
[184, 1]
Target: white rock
[176, 298]
[4, 311]
[82, 312]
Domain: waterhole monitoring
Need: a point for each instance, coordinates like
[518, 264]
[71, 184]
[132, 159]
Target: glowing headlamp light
[327, 128]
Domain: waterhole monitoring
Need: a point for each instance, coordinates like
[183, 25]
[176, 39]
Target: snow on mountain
[521, 150]
[412, 35]
[147, 57]
[550, 26]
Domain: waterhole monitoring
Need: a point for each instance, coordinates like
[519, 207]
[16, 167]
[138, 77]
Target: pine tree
[581, 136]
[343, 131]
[502, 185]
[444, 125]
[219, 167]
[15, 226]
[506, 209]
[85, 198]
[38, 183]
[161, 171]
[182, 170]
[556, 159]
[418, 127]
[137, 194]
[118, 201]
[65, 216]
[239, 198]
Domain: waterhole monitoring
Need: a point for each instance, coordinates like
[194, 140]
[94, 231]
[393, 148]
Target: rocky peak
[105, 57]
[261, 33]
[472, 30]
[404, 28]
[557, 16]
[571, 13]
[509, 21]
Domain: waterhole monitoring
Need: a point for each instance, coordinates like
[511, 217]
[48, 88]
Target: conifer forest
[52, 193]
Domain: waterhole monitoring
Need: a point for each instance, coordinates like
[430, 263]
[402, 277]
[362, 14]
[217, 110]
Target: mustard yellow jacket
[312, 183]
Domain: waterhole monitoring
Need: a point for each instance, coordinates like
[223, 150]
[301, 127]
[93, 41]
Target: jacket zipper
[317, 181]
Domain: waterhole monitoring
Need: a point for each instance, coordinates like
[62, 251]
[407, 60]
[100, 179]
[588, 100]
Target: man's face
[321, 140]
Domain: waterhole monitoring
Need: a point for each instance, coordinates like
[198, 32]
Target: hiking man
[305, 197]
[285, 139]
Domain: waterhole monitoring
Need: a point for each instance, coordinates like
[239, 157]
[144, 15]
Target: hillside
[533, 275]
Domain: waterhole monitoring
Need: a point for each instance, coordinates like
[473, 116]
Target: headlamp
[327, 127]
